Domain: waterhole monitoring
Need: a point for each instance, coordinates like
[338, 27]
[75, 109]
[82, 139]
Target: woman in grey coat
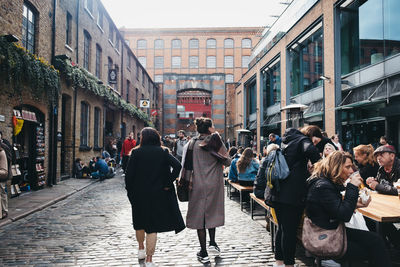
[206, 199]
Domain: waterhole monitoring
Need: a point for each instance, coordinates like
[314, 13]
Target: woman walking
[206, 199]
[149, 182]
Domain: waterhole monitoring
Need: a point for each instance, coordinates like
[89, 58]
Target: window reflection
[272, 85]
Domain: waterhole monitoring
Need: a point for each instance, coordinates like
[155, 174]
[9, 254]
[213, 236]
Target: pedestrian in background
[149, 179]
[3, 182]
[206, 200]
[315, 134]
[274, 139]
[179, 144]
[335, 140]
[126, 149]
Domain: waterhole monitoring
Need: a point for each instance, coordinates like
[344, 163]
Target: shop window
[159, 44]
[211, 62]
[141, 44]
[300, 64]
[97, 129]
[271, 77]
[98, 61]
[193, 62]
[86, 50]
[228, 43]
[84, 124]
[193, 43]
[28, 28]
[176, 43]
[246, 43]
[228, 61]
[211, 43]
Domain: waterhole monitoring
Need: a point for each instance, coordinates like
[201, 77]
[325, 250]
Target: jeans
[98, 174]
[151, 240]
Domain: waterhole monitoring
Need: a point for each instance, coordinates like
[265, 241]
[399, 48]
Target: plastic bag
[357, 221]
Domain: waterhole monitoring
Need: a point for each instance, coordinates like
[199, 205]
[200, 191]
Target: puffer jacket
[298, 150]
[325, 206]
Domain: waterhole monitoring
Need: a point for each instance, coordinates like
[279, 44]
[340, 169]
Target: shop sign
[28, 115]
[112, 76]
[153, 112]
[144, 103]
[17, 114]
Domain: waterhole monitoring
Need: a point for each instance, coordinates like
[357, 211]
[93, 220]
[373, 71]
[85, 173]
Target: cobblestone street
[93, 228]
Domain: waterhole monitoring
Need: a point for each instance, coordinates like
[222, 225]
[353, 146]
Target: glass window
[229, 78]
[391, 30]
[252, 98]
[98, 61]
[246, 43]
[115, 86]
[158, 62]
[142, 61]
[111, 33]
[228, 43]
[228, 61]
[193, 43]
[159, 44]
[245, 61]
[84, 124]
[211, 62]
[86, 50]
[176, 62]
[100, 17]
[117, 43]
[137, 97]
[141, 44]
[28, 28]
[128, 85]
[361, 33]
[193, 62]
[110, 66]
[176, 43]
[271, 77]
[97, 116]
[211, 43]
[68, 29]
[308, 66]
[129, 65]
[89, 5]
[158, 78]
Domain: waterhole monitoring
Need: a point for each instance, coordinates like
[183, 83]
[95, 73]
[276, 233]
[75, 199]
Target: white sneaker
[123, 175]
[141, 254]
[149, 264]
[274, 265]
[330, 263]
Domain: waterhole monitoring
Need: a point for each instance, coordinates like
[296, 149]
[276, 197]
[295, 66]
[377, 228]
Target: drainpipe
[75, 88]
[122, 83]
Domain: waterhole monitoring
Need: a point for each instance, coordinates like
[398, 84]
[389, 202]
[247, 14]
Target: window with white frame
[111, 33]
[86, 50]
[228, 43]
[229, 78]
[159, 44]
[211, 43]
[245, 61]
[246, 43]
[193, 43]
[211, 62]
[89, 6]
[98, 61]
[84, 124]
[228, 61]
[142, 61]
[158, 78]
[117, 43]
[176, 62]
[193, 62]
[176, 43]
[100, 15]
[28, 28]
[158, 62]
[141, 44]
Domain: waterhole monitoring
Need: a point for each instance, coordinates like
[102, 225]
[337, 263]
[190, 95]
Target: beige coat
[206, 200]
[3, 165]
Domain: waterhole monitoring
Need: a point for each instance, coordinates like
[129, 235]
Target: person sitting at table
[244, 169]
[326, 208]
[366, 162]
[388, 173]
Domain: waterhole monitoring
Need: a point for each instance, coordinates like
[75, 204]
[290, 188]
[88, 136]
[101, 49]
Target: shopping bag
[357, 221]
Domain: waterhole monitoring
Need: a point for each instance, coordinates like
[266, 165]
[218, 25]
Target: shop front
[30, 148]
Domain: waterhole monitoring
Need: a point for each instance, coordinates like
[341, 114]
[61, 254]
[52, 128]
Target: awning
[253, 125]
[314, 109]
[272, 120]
[361, 104]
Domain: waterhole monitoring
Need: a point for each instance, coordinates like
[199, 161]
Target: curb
[43, 206]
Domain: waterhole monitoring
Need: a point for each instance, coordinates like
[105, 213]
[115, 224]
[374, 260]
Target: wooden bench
[240, 189]
[273, 224]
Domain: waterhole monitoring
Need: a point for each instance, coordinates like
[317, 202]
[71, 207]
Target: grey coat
[206, 200]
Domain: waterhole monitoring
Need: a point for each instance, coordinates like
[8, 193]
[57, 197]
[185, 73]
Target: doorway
[66, 147]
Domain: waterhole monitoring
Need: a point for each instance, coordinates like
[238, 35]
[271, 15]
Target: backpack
[277, 169]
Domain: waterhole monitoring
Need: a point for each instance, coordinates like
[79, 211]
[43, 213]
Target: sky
[193, 13]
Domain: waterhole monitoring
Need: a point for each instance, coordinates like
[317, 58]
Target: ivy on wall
[81, 78]
[18, 67]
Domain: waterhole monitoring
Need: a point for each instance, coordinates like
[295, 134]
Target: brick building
[194, 56]
[72, 110]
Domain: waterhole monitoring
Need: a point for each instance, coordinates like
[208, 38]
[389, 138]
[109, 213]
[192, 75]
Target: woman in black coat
[149, 182]
[326, 208]
[288, 201]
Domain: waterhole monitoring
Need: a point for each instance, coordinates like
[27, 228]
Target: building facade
[331, 63]
[195, 55]
[71, 83]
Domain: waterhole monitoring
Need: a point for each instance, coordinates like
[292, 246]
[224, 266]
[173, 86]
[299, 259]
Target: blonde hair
[331, 167]
[272, 147]
[244, 160]
[327, 145]
[366, 150]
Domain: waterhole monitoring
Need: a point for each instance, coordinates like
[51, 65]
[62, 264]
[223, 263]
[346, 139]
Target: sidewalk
[32, 201]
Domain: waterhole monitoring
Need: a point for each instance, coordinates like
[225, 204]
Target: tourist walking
[288, 202]
[3, 183]
[149, 179]
[206, 199]
[127, 146]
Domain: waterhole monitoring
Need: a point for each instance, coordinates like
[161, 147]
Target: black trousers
[288, 221]
[364, 245]
[125, 160]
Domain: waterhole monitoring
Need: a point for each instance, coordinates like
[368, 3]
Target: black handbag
[184, 184]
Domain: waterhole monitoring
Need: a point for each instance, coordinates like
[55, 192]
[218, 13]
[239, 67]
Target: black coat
[325, 206]
[368, 170]
[297, 149]
[151, 192]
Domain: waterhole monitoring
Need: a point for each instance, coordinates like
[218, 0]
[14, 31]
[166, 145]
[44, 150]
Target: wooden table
[382, 209]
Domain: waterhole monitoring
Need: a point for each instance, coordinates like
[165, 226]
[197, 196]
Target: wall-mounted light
[10, 38]
[63, 57]
[324, 78]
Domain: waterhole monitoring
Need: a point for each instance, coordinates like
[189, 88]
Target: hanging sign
[112, 76]
[144, 103]
[153, 112]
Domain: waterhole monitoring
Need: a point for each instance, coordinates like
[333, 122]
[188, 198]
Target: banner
[18, 123]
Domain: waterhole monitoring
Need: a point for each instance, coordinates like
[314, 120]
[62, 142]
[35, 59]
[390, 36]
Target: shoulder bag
[184, 184]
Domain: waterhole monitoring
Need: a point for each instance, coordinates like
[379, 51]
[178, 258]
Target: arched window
[194, 43]
[211, 43]
[246, 43]
[84, 124]
[228, 43]
[159, 44]
[86, 49]
[176, 43]
[141, 44]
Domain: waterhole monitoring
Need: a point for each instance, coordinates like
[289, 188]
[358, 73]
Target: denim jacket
[248, 175]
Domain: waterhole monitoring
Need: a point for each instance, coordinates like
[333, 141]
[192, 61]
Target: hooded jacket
[297, 149]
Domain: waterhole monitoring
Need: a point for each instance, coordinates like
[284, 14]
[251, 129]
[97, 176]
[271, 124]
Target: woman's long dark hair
[150, 137]
[245, 160]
